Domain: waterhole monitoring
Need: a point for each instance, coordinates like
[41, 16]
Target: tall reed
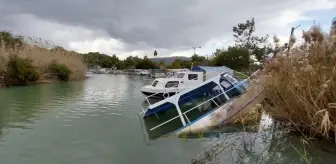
[300, 87]
[42, 53]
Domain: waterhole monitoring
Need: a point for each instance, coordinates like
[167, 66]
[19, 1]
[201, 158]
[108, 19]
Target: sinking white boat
[194, 109]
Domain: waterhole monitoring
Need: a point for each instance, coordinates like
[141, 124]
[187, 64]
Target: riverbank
[22, 62]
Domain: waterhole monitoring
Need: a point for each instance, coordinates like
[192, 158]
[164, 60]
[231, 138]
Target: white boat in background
[178, 80]
[166, 87]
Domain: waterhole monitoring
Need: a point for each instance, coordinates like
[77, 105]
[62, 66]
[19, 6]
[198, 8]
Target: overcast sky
[137, 27]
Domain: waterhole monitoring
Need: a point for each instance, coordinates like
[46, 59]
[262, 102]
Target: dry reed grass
[300, 87]
[42, 53]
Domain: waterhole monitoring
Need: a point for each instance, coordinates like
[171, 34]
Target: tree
[236, 58]
[176, 64]
[145, 64]
[185, 64]
[102, 60]
[129, 62]
[245, 38]
[155, 53]
[161, 64]
[199, 60]
[10, 41]
[196, 57]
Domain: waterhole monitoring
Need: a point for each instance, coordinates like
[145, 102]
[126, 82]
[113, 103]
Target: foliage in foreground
[60, 70]
[301, 87]
[21, 70]
[24, 62]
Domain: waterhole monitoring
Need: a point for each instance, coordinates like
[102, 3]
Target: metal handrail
[211, 99]
[184, 113]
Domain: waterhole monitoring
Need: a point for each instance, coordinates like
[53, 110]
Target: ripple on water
[98, 101]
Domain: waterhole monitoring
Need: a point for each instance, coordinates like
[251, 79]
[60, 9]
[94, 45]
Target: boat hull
[227, 113]
[204, 123]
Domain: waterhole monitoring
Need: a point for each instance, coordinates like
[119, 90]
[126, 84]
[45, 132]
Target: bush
[22, 70]
[61, 70]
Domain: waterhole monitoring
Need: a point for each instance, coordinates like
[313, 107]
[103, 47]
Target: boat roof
[212, 68]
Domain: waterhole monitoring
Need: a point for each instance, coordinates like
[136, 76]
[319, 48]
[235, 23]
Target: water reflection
[271, 146]
[21, 106]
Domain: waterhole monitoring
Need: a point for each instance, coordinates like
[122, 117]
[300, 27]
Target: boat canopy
[212, 71]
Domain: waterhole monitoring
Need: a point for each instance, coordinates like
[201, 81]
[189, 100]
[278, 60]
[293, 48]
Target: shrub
[21, 70]
[61, 70]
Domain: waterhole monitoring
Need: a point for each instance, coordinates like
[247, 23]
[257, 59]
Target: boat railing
[177, 91]
[211, 99]
[184, 113]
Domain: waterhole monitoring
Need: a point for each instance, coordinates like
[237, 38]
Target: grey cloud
[155, 23]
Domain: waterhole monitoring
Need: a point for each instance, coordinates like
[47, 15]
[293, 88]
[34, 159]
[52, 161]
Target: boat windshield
[170, 74]
[180, 75]
[155, 83]
[172, 84]
[231, 79]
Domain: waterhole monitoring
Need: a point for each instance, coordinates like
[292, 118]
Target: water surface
[96, 122]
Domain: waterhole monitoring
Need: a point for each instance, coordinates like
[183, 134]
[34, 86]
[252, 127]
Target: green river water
[96, 122]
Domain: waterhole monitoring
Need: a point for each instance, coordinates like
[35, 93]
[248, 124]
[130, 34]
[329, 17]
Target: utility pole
[290, 36]
[195, 49]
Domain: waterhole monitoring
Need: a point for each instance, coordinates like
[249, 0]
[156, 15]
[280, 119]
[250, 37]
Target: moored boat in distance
[144, 73]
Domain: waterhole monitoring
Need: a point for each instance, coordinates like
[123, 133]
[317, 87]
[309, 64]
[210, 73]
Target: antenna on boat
[292, 35]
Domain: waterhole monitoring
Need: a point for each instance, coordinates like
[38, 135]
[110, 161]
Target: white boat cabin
[166, 87]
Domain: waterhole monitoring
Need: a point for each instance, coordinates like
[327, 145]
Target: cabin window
[155, 83]
[231, 79]
[206, 98]
[180, 75]
[159, 115]
[230, 90]
[172, 84]
[192, 77]
[225, 84]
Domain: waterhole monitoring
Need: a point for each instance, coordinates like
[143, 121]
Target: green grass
[240, 75]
